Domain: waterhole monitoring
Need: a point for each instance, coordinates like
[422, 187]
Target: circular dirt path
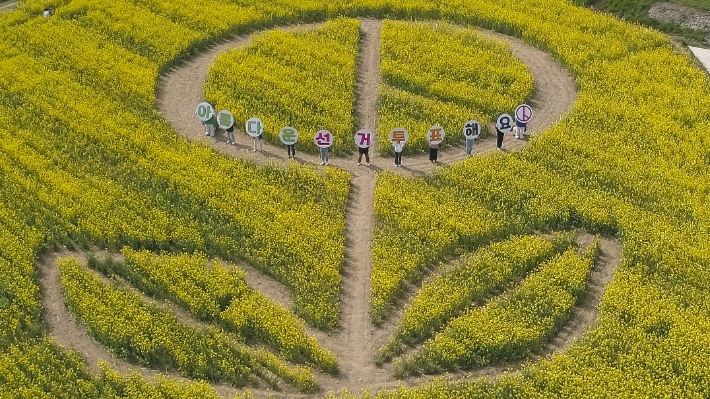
[181, 89]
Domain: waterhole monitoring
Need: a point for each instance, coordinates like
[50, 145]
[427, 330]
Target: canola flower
[151, 337]
[217, 293]
[470, 281]
[301, 79]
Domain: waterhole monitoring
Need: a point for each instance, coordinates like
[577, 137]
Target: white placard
[523, 113]
[471, 130]
[435, 134]
[363, 138]
[505, 123]
[254, 127]
[225, 119]
[399, 136]
[323, 139]
[288, 135]
[204, 111]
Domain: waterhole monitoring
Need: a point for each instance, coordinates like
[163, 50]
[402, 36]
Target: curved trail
[71, 334]
[181, 89]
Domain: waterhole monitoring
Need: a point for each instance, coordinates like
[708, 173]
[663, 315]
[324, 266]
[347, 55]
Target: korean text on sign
[363, 138]
[323, 139]
[288, 135]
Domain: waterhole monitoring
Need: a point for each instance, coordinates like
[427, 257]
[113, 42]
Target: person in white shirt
[47, 12]
[519, 129]
[398, 147]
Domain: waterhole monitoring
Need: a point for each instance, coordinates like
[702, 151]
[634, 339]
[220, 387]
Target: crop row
[217, 293]
[404, 240]
[470, 281]
[146, 335]
[509, 327]
[40, 368]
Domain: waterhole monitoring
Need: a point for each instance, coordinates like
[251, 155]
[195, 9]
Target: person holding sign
[471, 131]
[363, 139]
[398, 138]
[289, 136]
[255, 128]
[523, 115]
[226, 120]
[210, 126]
[504, 125]
[435, 136]
[323, 139]
[230, 134]
[206, 114]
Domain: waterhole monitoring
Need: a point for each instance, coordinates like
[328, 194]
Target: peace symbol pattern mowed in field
[355, 351]
[88, 162]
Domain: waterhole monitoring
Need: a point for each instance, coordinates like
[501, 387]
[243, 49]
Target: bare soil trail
[357, 335]
[586, 311]
[178, 93]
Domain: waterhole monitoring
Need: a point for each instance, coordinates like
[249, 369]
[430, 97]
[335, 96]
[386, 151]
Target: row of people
[364, 138]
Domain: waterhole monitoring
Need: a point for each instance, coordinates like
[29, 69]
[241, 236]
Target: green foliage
[637, 11]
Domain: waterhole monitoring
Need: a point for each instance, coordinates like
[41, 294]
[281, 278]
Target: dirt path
[355, 340]
[62, 326]
[7, 6]
[703, 56]
[586, 311]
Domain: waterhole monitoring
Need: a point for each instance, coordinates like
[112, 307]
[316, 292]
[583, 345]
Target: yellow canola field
[303, 79]
[469, 281]
[218, 293]
[146, 335]
[83, 160]
[509, 327]
[439, 74]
